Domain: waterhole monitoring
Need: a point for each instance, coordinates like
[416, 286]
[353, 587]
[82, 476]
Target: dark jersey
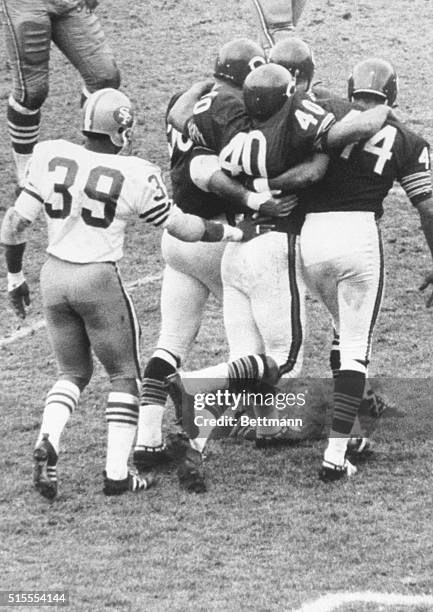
[360, 175]
[186, 194]
[286, 139]
[217, 117]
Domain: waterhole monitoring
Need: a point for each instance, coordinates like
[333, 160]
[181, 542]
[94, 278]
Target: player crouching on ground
[88, 194]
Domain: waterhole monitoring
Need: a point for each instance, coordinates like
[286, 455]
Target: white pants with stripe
[264, 299]
[192, 272]
[343, 263]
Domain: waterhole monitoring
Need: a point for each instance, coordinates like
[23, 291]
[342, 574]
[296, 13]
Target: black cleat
[44, 468]
[190, 469]
[330, 472]
[149, 457]
[133, 482]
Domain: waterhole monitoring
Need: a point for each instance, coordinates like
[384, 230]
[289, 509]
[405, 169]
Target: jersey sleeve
[415, 172]
[30, 200]
[154, 203]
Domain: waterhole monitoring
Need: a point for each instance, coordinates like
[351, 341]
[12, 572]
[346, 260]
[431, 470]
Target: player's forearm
[191, 228]
[364, 125]
[300, 176]
[182, 109]
[425, 210]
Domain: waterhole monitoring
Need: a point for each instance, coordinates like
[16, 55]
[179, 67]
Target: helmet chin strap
[127, 142]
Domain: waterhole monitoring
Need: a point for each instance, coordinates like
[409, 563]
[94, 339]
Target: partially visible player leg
[79, 35]
[28, 35]
[113, 331]
[277, 18]
[71, 347]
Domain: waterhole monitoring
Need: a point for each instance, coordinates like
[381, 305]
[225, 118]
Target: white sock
[336, 450]
[119, 443]
[198, 444]
[62, 399]
[149, 431]
[121, 415]
[21, 161]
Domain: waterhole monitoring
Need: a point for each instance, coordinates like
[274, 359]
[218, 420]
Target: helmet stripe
[90, 109]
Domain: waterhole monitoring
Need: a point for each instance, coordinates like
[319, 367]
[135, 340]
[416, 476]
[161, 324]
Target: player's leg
[277, 18]
[113, 331]
[71, 348]
[79, 35]
[183, 298]
[27, 30]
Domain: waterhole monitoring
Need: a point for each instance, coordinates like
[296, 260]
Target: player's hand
[278, 206]
[428, 280]
[201, 88]
[19, 297]
[252, 228]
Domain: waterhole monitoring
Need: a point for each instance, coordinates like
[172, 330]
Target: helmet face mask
[110, 113]
[266, 90]
[374, 77]
[236, 59]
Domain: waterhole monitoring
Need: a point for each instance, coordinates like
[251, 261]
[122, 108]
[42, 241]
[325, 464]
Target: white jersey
[88, 198]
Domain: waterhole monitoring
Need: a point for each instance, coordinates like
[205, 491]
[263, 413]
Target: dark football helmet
[374, 76]
[266, 89]
[296, 56]
[236, 59]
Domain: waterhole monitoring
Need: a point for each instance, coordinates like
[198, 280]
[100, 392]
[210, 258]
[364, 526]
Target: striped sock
[23, 127]
[152, 406]
[62, 400]
[348, 392]
[246, 369]
[121, 415]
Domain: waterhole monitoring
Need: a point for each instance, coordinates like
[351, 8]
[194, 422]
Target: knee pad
[33, 37]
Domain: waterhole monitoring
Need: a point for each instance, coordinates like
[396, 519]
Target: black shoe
[44, 468]
[330, 472]
[133, 482]
[148, 458]
[190, 469]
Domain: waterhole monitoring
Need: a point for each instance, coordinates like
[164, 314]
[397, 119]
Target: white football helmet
[108, 111]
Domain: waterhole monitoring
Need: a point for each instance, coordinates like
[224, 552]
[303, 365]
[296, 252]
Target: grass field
[267, 536]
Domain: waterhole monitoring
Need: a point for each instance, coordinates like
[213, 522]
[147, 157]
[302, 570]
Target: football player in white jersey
[88, 194]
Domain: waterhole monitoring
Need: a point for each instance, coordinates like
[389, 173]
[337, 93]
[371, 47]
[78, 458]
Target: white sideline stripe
[332, 601]
[34, 327]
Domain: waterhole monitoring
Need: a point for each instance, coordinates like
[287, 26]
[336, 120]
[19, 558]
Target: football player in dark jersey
[340, 240]
[192, 273]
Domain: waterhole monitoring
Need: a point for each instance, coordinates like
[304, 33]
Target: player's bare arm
[206, 173]
[182, 109]
[425, 209]
[361, 126]
[13, 237]
[298, 177]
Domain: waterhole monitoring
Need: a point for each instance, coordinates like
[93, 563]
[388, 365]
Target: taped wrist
[255, 200]
[14, 257]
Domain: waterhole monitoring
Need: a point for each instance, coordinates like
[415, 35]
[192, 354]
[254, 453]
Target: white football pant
[343, 263]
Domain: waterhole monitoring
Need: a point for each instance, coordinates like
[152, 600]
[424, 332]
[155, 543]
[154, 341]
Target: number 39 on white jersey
[88, 198]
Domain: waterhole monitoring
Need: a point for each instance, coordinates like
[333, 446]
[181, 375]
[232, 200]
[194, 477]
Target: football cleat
[190, 469]
[374, 76]
[266, 89]
[236, 59]
[133, 482]
[296, 56]
[282, 438]
[183, 404]
[148, 457]
[378, 404]
[109, 112]
[44, 468]
[330, 472]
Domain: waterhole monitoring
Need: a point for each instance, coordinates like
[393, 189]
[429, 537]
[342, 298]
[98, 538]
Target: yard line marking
[29, 330]
[332, 601]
